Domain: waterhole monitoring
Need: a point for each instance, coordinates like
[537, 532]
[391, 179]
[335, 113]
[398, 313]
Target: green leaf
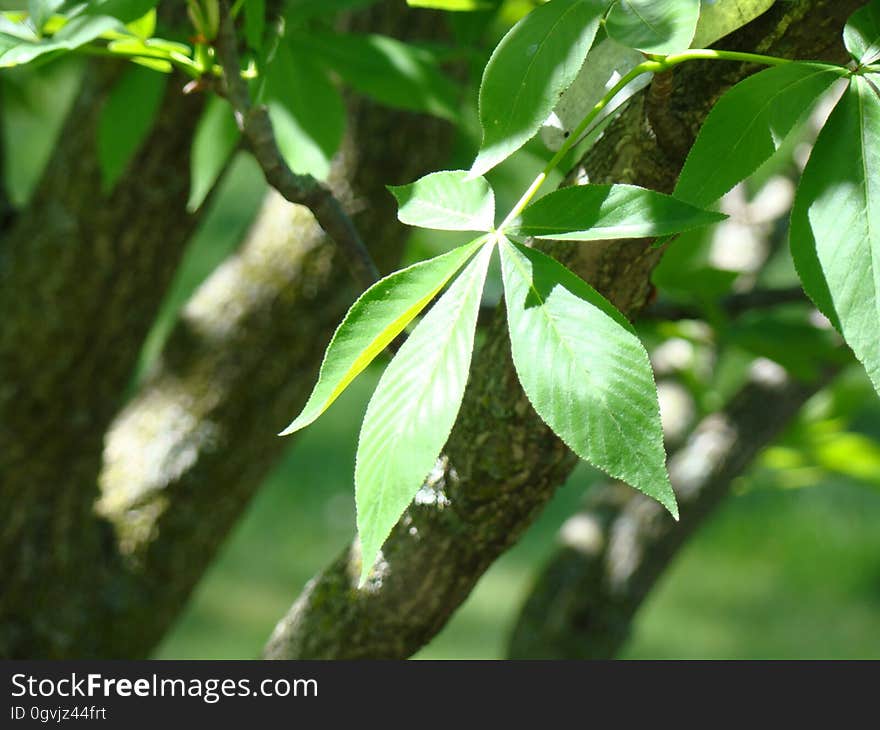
[747, 125]
[600, 212]
[75, 33]
[298, 11]
[374, 320]
[254, 22]
[143, 27]
[835, 223]
[306, 110]
[720, 18]
[861, 35]
[415, 405]
[125, 10]
[584, 370]
[448, 201]
[215, 139]
[451, 5]
[394, 73]
[654, 26]
[40, 11]
[530, 68]
[607, 62]
[152, 56]
[126, 119]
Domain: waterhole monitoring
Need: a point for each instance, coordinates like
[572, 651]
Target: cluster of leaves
[301, 63]
[295, 67]
[579, 362]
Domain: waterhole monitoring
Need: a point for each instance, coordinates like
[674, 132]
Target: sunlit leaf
[450, 5]
[584, 371]
[414, 408]
[835, 223]
[372, 323]
[530, 68]
[448, 200]
[862, 34]
[76, 33]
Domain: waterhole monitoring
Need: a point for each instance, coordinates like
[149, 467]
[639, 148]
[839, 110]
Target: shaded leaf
[214, 141]
[722, 17]
[306, 110]
[126, 120]
[254, 22]
[392, 72]
[415, 405]
[654, 26]
[599, 212]
[747, 125]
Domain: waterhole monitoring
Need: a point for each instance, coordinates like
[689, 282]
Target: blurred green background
[789, 567]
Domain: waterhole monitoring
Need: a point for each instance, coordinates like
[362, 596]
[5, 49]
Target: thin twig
[256, 129]
[733, 305]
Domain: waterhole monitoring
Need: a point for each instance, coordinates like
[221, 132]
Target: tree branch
[501, 463]
[616, 548]
[733, 305]
[256, 128]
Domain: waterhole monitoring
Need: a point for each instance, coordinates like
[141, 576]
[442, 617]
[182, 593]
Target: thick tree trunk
[82, 278]
[502, 464]
[82, 274]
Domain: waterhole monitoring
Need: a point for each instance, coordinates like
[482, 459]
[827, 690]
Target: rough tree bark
[502, 464]
[616, 548]
[82, 275]
[239, 362]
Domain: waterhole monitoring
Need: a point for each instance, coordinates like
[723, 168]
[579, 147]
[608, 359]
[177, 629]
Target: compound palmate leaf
[448, 200]
[374, 320]
[584, 370]
[748, 124]
[599, 212]
[835, 223]
[654, 26]
[414, 408]
[529, 69]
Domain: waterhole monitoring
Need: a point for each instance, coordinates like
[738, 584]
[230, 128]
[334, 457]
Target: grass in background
[776, 573]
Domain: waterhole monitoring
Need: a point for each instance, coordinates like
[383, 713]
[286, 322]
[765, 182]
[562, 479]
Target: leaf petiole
[655, 63]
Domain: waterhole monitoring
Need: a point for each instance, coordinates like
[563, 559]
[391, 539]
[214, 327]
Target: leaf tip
[296, 425]
[667, 499]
